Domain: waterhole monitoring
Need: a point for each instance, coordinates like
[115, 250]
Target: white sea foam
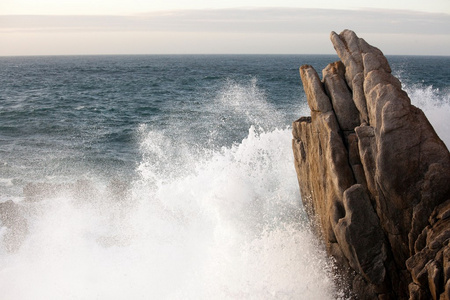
[217, 224]
[231, 228]
[6, 181]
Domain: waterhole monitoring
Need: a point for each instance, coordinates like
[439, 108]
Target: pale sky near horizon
[60, 27]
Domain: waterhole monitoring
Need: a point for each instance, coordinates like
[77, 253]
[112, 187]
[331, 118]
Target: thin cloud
[243, 20]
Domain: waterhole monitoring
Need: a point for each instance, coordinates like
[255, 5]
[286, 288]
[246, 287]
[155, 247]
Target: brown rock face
[374, 177]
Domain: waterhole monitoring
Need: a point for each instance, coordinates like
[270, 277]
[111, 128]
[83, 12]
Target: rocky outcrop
[374, 177]
[430, 264]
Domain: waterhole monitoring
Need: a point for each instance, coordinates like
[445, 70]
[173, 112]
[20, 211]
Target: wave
[231, 227]
[198, 222]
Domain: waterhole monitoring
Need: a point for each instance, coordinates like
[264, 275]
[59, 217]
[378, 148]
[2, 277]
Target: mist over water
[204, 204]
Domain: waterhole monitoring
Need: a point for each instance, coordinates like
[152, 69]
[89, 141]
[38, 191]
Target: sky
[68, 27]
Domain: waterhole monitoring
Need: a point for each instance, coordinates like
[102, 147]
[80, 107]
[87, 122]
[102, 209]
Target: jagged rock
[321, 141]
[434, 271]
[446, 294]
[429, 266]
[341, 97]
[360, 236]
[417, 293]
[446, 263]
[364, 291]
[374, 176]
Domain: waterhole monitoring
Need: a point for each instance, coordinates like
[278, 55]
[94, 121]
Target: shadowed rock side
[374, 177]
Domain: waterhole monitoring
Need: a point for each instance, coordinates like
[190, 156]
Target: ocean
[167, 177]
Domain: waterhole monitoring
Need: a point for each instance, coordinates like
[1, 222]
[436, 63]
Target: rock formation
[374, 177]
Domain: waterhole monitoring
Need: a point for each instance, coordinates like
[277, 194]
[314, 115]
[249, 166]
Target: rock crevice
[374, 176]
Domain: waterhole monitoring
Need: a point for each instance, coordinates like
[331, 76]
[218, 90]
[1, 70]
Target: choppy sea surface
[167, 177]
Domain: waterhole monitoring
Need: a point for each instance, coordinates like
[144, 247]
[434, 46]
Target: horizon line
[207, 54]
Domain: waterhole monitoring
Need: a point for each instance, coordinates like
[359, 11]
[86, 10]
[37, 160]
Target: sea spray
[231, 228]
[198, 221]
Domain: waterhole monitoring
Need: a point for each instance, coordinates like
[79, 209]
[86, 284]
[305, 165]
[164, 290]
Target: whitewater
[193, 196]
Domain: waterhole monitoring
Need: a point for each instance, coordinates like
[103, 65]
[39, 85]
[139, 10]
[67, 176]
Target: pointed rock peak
[315, 93]
[351, 49]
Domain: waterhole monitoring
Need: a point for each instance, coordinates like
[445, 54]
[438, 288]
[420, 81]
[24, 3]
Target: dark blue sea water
[167, 177]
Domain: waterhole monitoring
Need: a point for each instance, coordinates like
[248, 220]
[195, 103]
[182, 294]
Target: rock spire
[374, 177]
